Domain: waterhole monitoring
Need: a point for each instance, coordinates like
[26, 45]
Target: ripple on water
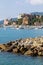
[12, 59]
[12, 34]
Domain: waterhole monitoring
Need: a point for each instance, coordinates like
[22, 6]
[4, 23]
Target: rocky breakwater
[28, 46]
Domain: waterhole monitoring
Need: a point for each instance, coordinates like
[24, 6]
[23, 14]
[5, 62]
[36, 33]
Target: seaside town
[24, 20]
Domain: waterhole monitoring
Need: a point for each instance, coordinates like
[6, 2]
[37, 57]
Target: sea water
[10, 34]
[14, 59]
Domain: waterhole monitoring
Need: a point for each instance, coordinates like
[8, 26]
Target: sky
[12, 8]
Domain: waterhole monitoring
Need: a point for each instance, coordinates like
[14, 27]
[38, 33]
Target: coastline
[28, 46]
[24, 27]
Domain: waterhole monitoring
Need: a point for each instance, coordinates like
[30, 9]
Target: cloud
[35, 2]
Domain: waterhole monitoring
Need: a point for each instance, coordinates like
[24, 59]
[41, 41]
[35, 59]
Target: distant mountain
[14, 19]
[37, 13]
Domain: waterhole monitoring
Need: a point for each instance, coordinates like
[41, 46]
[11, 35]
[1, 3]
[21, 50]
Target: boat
[36, 28]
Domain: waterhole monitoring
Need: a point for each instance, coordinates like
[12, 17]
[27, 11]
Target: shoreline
[22, 26]
[25, 27]
[28, 46]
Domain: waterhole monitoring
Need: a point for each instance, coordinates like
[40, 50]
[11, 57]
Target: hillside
[37, 13]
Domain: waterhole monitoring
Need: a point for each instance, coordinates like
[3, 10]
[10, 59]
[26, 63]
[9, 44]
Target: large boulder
[15, 50]
[2, 47]
[40, 53]
[35, 52]
[33, 47]
[23, 50]
[29, 52]
[27, 46]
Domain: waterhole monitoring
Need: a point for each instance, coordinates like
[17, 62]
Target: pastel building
[6, 22]
[25, 20]
[37, 24]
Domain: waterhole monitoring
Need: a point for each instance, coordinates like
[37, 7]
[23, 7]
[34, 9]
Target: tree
[42, 18]
[20, 21]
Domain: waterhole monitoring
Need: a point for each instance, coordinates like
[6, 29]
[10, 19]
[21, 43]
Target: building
[37, 16]
[19, 16]
[14, 23]
[25, 20]
[6, 22]
[37, 23]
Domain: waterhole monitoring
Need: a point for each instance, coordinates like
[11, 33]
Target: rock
[1, 50]
[23, 50]
[29, 52]
[29, 46]
[19, 40]
[42, 45]
[35, 52]
[9, 44]
[41, 49]
[40, 53]
[33, 47]
[18, 47]
[3, 47]
[35, 43]
[10, 49]
[15, 50]
[30, 42]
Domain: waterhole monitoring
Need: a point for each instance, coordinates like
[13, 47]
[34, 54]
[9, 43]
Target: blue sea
[13, 59]
[9, 34]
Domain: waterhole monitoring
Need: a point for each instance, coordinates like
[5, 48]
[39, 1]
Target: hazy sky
[11, 8]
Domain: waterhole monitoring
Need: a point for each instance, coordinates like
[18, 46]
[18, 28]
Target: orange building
[25, 20]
